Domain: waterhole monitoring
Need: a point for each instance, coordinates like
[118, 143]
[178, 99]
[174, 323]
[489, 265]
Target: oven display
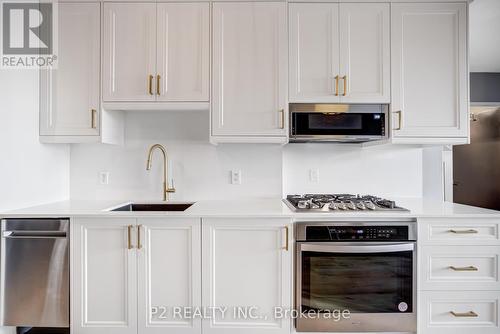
[365, 233]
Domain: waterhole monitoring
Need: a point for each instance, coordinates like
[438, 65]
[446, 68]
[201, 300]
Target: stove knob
[361, 206]
[370, 205]
[333, 206]
[303, 204]
[351, 205]
[342, 206]
[314, 205]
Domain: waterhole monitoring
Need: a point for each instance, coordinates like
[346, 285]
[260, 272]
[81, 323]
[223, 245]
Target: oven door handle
[329, 248]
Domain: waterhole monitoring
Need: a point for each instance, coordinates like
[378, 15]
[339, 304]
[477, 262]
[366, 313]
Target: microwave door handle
[389, 248]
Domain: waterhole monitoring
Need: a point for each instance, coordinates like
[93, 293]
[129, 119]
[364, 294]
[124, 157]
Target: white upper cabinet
[249, 97]
[69, 94]
[247, 263]
[156, 52]
[365, 54]
[129, 64]
[339, 52]
[314, 52]
[183, 58]
[429, 72]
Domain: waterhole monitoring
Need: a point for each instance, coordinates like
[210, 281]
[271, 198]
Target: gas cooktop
[340, 202]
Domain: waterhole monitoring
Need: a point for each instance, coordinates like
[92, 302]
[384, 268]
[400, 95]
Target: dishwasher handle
[27, 234]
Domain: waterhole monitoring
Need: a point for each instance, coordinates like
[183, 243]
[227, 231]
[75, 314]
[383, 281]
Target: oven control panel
[356, 233]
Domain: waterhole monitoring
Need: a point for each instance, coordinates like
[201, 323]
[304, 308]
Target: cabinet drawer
[459, 231]
[459, 312]
[459, 268]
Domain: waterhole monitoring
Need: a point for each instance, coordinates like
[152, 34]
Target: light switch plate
[314, 175]
[236, 177]
[103, 178]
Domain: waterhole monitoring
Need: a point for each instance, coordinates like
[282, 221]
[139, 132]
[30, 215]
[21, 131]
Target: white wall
[30, 173]
[386, 170]
[202, 171]
[485, 36]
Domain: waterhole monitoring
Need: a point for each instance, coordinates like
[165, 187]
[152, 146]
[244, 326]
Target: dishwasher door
[34, 273]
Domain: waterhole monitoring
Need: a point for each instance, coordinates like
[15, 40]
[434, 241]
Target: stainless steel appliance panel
[374, 280]
[35, 273]
[343, 123]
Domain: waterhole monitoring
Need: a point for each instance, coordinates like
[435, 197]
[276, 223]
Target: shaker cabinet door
[314, 52]
[247, 263]
[429, 70]
[365, 60]
[129, 63]
[249, 69]
[169, 274]
[183, 44]
[69, 94]
[104, 271]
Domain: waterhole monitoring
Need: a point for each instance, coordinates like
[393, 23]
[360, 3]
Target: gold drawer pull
[469, 268]
[150, 84]
[93, 114]
[337, 78]
[345, 85]
[129, 235]
[158, 79]
[470, 314]
[139, 246]
[286, 238]
[282, 118]
[470, 231]
[399, 120]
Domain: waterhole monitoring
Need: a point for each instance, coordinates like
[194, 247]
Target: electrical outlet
[104, 178]
[236, 177]
[314, 175]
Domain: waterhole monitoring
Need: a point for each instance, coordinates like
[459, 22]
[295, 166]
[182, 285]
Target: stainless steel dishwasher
[34, 274]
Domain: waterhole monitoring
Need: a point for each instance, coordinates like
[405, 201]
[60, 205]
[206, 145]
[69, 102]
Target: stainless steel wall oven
[367, 268]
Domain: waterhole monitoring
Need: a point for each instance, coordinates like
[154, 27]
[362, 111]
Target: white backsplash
[386, 170]
[200, 170]
[203, 171]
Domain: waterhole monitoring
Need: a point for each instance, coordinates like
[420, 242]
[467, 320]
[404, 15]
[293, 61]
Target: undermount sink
[154, 207]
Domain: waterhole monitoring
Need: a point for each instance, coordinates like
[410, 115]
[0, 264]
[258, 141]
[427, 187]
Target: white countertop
[249, 208]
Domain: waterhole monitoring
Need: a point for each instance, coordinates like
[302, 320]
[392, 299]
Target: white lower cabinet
[104, 280]
[246, 264]
[459, 287]
[459, 312]
[128, 274]
[169, 263]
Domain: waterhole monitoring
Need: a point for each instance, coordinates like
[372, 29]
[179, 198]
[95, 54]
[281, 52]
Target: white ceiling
[485, 36]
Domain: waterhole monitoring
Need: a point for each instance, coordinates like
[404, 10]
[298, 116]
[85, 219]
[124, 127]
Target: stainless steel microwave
[345, 123]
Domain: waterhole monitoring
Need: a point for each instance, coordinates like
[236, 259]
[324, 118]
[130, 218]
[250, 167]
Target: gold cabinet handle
[139, 246]
[93, 117]
[470, 231]
[345, 85]
[129, 235]
[286, 239]
[337, 78]
[399, 119]
[469, 268]
[470, 314]
[150, 84]
[282, 118]
[158, 79]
